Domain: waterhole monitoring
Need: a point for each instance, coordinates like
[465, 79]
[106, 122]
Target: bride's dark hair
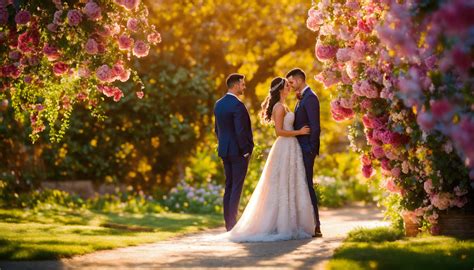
[273, 97]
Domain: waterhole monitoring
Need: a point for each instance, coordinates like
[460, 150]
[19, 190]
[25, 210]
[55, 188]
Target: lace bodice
[288, 121]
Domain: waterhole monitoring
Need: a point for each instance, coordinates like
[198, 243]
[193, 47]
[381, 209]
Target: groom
[307, 114]
[235, 144]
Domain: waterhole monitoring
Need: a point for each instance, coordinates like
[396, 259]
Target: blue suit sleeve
[240, 123]
[312, 111]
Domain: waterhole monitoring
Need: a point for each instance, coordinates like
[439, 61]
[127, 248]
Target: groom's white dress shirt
[229, 93]
[304, 90]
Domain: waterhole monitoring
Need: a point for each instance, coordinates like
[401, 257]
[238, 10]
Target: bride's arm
[278, 116]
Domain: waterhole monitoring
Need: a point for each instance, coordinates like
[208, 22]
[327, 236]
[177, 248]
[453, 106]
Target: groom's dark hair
[233, 79]
[296, 72]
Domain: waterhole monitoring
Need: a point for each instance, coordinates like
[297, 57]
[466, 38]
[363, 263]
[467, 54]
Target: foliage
[55, 54]
[142, 145]
[400, 71]
[235, 45]
[380, 248]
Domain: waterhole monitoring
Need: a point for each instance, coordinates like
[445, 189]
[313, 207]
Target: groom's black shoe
[317, 232]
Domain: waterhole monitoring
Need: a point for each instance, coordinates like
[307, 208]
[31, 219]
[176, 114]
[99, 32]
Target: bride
[280, 207]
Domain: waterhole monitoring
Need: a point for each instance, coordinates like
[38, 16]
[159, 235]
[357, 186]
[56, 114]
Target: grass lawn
[383, 248]
[52, 234]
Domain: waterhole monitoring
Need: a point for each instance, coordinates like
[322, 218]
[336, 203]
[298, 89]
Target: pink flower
[430, 61]
[28, 79]
[340, 113]
[51, 52]
[132, 24]
[460, 201]
[426, 121]
[432, 219]
[52, 27]
[83, 72]
[441, 200]
[140, 94]
[119, 72]
[154, 38]
[111, 91]
[352, 4]
[91, 46]
[104, 74]
[22, 17]
[125, 42]
[391, 186]
[29, 40]
[105, 31]
[366, 104]
[378, 151]
[327, 77]
[107, 90]
[81, 96]
[365, 89]
[118, 95]
[60, 68]
[344, 54]
[365, 25]
[360, 49]
[460, 192]
[57, 17]
[396, 172]
[441, 109]
[313, 23]
[367, 121]
[92, 11]
[125, 76]
[347, 102]
[385, 163]
[325, 52]
[141, 49]
[370, 138]
[351, 70]
[74, 17]
[131, 4]
[367, 171]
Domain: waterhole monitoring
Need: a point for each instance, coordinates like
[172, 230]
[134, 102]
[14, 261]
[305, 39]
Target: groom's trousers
[308, 160]
[235, 171]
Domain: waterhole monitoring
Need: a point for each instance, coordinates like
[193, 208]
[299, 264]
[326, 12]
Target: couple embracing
[283, 205]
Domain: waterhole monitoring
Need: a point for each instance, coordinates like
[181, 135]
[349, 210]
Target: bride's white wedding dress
[280, 207]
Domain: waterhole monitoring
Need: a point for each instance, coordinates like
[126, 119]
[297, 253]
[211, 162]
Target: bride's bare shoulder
[278, 108]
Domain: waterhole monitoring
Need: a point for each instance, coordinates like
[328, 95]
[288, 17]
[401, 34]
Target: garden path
[198, 251]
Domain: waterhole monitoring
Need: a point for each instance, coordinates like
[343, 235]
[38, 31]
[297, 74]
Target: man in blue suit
[235, 144]
[307, 114]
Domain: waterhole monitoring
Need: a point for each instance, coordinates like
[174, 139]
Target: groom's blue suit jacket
[233, 127]
[307, 113]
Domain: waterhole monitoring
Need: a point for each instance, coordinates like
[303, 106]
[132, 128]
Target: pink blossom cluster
[339, 112]
[89, 42]
[405, 80]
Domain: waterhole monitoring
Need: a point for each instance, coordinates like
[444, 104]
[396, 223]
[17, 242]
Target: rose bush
[403, 71]
[58, 53]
